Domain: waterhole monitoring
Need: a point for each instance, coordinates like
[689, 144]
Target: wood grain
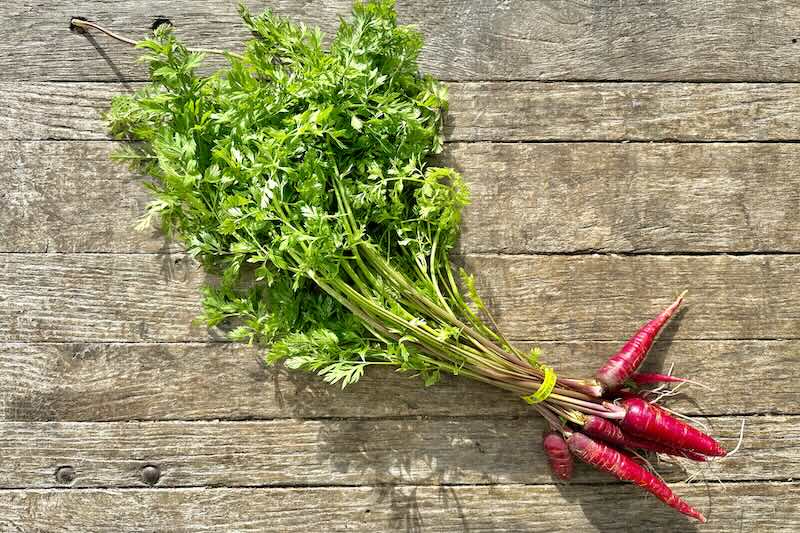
[488, 111]
[345, 452]
[57, 110]
[480, 509]
[65, 197]
[579, 297]
[481, 40]
[527, 198]
[114, 297]
[531, 111]
[568, 197]
[100, 297]
[195, 381]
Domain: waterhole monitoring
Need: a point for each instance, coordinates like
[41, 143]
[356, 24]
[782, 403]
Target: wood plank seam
[677, 486]
[288, 487]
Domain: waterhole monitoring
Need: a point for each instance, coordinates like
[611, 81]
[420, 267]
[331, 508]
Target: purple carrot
[639, 379]
[558, 454]
[647, 378]
[624, 467]
[603, 429]
[647, 421]
[622, 364]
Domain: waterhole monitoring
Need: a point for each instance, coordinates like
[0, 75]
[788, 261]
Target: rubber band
[544, 390]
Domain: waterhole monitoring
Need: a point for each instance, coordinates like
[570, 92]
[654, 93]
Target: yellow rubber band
[544, 390]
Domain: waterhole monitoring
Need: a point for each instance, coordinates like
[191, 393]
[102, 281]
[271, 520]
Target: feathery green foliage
[299, 175]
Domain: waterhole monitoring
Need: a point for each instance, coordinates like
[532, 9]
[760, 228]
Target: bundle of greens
[299, 174]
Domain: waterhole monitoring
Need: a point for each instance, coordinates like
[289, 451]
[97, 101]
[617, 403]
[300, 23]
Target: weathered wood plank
[99, 297]
[94, 382]
[489, 111]
[345, 452]
[65, 197]
[561, 197]
[630, 197]
[580, 297]
[114, 297]
[773, 507]
[479, 40]
[73, 111]
[530, 111]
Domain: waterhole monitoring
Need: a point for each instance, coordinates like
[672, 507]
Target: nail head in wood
[65, 475]
[151, 474]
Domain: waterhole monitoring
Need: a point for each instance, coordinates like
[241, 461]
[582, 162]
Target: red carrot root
[647, 421]
[600, 428]
[605, 430]
[688, 454]
[558, 454]
[622, 364]
[639, 379]
[607, 459]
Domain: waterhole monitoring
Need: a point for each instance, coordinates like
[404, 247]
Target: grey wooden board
[346, 452]
[191, 381]
[92, 340]
[526, 198]
[773, 507]
[479, 40]
[531, 111]
[731, 296]
[568, 197]
[487, 111]
[145, 297]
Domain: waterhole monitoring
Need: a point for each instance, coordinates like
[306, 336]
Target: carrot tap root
[627, 360]
[648, 421]
[558, 454]
[625, 468]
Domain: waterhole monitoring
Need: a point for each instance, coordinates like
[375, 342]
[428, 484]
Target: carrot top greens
[299, 174]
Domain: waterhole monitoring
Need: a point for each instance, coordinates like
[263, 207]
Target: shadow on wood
[603, 514]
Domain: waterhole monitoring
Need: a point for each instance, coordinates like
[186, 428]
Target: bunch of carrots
[298, 175]
[608, 443]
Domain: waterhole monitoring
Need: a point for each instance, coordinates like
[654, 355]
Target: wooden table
[619, 152]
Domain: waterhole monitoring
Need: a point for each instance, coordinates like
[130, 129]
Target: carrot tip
[678, 301]
[694, 513]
